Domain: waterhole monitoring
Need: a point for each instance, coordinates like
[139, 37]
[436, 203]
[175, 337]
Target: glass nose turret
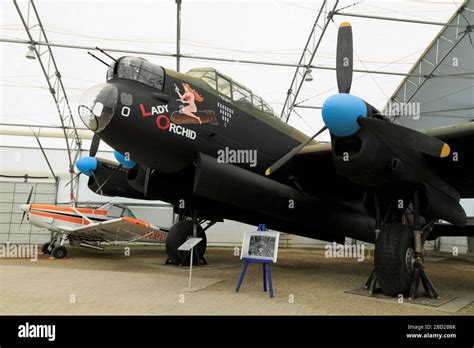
[97, 106]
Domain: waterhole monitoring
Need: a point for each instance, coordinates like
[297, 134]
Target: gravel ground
[305, 282]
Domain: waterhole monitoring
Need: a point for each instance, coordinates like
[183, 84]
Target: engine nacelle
[115, 179]
[394, 169]
[367, 161]
[168, 187]
[136, 179]
[271, 201]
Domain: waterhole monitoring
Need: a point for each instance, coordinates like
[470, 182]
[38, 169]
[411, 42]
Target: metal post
[11, 212]
[305, 61]
[378, 224]
[405, 20]
[470, 244]
[191, 268]
[417, 233]
[45, 156]
[178, 34]
[212, 59]
[307, 106]
[31, 226]
[47, 126]
[51, 72]
[195, 235]
[416, 211]
[432, 58]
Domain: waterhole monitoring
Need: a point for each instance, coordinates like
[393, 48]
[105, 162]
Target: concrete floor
[305, 282]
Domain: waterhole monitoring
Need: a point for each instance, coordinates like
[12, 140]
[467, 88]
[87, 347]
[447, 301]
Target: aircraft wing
[446, 229]
[317, 175]
[120, 229]
[315, 162]
[458, 168]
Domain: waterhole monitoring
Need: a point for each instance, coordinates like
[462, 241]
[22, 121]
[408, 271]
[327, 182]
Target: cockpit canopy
[116, 210]
[230, 88]
[137, 69]
[141, 70]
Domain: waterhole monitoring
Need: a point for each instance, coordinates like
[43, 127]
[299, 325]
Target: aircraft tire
[44, 248]
[59, 252]
[178, 234]
[392, 262]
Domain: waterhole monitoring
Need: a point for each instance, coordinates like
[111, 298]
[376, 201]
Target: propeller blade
[344, 58]
[22, 218]
[398, 134]
[29, 196]
[275, 166]
[27, 202]
[147, 181]
[105, 181]
[97, 181]
[74, 178]
[94, 145]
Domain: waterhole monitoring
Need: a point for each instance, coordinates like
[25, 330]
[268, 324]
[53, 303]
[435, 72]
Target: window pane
[223, 86]
[195, 73]
[151, 74]
[115, 212]
[127, 69]
[267, 108]
[140, 70]
[241, 94]
[210, 78]
[144, 76]
[230, 88]
[127, 212]
[257, 102]
[110, 71]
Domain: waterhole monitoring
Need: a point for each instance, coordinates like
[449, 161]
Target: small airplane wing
[120, 229]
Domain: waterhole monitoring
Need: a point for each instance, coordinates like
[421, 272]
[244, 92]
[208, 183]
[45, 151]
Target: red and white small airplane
[88, 227]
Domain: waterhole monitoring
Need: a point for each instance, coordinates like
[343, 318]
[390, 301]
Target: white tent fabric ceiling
[266, 30]
[448, 96]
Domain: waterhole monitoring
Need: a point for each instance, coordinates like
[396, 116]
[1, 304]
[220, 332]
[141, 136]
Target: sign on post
[189, 246]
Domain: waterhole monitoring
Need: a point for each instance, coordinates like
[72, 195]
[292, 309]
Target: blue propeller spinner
[126, 163]
[86, 165]
[340, 113]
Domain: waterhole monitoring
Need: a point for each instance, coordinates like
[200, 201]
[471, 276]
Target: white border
[245, 245]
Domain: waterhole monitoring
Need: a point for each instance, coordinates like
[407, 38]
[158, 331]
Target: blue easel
[267, 272]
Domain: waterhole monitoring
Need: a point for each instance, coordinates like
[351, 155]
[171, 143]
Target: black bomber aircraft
[189, 139]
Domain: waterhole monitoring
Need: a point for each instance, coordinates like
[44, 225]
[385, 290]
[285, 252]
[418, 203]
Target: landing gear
[178, 234]
[399, 256]
[59, 252]
[50, 248]
[45, 248]
[394, 256]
